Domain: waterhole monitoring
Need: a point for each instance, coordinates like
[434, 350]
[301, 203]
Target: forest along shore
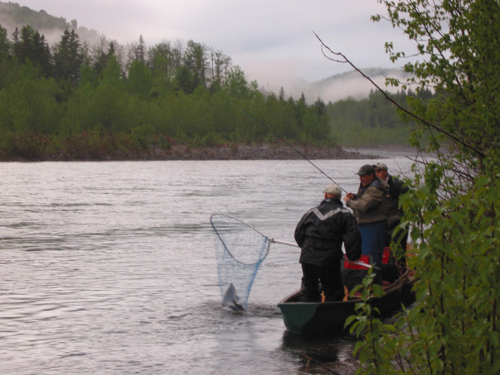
[183, 152]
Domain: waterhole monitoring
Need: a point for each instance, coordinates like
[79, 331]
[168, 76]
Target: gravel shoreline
[231, 152]
[261, 152]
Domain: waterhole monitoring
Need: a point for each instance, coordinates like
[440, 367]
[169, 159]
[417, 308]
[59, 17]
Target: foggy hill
[13, 15]
[343, 85]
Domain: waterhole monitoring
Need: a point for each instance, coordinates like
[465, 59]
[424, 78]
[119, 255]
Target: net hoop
[266, 244]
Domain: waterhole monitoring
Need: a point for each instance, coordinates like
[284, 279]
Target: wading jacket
[370, 205]
[322, 230]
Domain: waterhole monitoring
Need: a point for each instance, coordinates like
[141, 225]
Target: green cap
[366, 169]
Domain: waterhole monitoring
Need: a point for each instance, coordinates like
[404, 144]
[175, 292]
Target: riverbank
[183, 152]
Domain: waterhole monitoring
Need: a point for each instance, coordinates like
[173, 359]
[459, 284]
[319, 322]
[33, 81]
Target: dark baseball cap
[366, 169]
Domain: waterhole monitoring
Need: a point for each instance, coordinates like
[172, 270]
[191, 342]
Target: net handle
[273, 240]
[362, 264]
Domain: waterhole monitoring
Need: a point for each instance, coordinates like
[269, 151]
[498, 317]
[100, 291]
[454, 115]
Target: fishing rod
[291, 146]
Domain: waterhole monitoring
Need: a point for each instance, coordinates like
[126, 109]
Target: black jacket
[322, 230]
[394, 213]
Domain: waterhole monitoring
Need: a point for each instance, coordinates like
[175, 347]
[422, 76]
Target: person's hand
[349, 197]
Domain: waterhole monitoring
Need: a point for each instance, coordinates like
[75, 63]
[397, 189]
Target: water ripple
[109, 268]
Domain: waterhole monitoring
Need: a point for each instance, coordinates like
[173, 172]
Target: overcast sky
[268, 39]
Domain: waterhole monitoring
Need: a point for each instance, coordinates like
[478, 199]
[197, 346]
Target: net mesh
[240, 250]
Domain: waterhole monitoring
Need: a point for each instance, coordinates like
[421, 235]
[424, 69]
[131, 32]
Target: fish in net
[240, 249]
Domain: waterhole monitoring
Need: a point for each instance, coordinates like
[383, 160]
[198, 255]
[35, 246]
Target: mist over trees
[13, 15]
[70, 97]
[373, 120]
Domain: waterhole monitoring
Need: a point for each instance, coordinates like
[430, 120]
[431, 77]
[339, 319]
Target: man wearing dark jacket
[320, 234]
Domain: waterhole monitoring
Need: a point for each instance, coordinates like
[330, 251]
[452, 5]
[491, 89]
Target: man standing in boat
[320, 234]
[394, 212]
[369, 208]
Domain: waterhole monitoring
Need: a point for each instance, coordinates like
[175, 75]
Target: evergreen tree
[5, 44]
[30, 45]
[68, 58]
[137, 52]
[192, 73]
[282, 94]
[101, 56]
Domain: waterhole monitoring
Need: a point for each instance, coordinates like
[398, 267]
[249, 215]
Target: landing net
[240, 250]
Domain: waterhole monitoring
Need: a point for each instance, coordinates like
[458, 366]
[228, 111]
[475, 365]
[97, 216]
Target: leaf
[349, 320]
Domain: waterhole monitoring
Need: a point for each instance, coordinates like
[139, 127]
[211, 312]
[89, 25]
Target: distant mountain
[343, 85]
[13, 15]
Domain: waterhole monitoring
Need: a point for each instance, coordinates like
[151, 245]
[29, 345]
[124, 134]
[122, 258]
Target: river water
[109, 267]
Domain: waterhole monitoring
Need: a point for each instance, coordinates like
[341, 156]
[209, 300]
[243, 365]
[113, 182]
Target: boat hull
[310, 317]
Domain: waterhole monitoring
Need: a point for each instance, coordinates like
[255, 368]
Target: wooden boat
[310, 317]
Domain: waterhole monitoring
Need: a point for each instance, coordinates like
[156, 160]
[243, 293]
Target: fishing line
[291, 146]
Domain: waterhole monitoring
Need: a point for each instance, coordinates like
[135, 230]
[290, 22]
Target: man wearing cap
[369, 208]
[320, 234]
[394, 213]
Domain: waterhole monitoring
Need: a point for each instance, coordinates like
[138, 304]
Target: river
[109, 267]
